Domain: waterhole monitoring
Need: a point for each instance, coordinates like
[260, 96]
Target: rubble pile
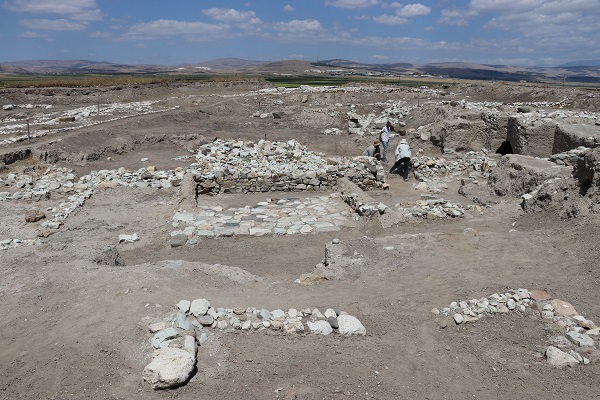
[577, 345]
[391, 110]
[175, 338]
[60, 181]
[431, 209]
[569, 157]
[427, 168]
[239, 167]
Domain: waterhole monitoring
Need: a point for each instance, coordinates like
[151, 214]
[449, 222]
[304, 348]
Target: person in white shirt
[384, 138]
[402, 163]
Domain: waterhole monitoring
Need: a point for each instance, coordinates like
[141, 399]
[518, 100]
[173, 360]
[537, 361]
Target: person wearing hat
[402, 159]
[373, 150]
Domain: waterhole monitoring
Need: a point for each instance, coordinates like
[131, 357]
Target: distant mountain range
[576, 71]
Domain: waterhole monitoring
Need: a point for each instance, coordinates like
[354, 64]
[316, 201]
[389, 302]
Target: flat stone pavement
[290, 216]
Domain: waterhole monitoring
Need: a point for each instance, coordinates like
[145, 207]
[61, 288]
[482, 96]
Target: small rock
[580, 339]
[206, 320]
[560, 359]
[199, 307]
[34, 215]
[184, 305]
[320, 327]
[458, 318]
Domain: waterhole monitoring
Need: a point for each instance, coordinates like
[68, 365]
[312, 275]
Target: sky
[507, 32]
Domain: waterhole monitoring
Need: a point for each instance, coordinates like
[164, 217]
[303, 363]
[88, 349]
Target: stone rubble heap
[579, 344]
[570, 157]
[175, 339]
[11, 243]
[472, 163]
[242, 167]
[392, 111]
[271, 217]
[54, 180]
[431, 209]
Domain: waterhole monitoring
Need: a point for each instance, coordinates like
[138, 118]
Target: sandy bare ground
[72, 328]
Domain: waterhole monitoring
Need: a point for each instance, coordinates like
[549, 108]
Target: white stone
[559, 358]
[319, 327]
[458, 318]
[128, 238]
[184, 305]
[199, 307]
[170, 367]
[350, 326]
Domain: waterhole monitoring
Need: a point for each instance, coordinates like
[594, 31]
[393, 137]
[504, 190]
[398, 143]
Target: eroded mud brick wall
[571, 136]
[532, 138]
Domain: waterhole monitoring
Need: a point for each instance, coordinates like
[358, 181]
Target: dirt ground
[73, 329]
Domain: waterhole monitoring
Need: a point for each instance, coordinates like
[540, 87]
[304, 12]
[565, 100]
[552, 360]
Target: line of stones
[175, 339]
[578, 329]
[45, 132]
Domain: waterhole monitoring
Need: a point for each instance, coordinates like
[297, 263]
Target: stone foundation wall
[238, 167]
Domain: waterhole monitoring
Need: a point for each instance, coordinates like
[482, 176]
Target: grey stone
[560, 359]
[162, 337]
[183, 322]
[206, 320]
[580, 339]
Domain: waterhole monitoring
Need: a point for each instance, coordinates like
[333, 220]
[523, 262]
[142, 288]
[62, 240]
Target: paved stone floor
[287, 216]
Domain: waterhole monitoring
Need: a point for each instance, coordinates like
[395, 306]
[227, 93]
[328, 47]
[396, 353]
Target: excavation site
[229, 239]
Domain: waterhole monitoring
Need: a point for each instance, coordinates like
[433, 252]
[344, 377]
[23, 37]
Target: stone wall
[248, 167]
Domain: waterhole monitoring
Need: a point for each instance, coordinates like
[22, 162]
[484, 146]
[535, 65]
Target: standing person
[373, 150]
[384, 137]
[402, 159]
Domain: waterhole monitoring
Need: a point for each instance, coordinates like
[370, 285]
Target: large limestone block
[170, 368]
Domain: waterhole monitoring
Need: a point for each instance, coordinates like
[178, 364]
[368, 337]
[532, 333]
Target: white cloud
[352, 3]
[33, 35]
[164, 28]
[456, 17]
[296, 57]
[52, 24]
[380, 57]
[504, 6]
[231, 15]
[390, 20]
[288, 8]
[413, 10]
[85, 10]
[299, 26]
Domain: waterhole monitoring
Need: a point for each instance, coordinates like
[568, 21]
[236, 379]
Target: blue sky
[512, 32]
